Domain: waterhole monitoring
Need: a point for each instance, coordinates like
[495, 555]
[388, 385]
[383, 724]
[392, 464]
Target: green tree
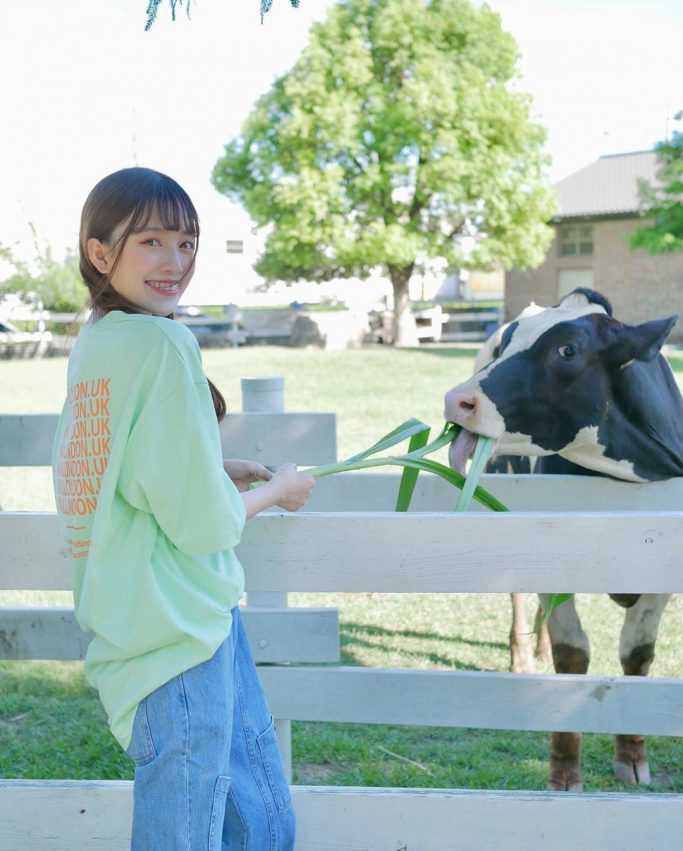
[57, 284]
[397, 133]
[663, 202]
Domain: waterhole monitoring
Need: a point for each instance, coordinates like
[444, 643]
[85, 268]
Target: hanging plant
[266, 4]
[153, 8]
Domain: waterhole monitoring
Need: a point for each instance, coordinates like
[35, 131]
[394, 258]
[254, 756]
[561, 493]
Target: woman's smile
[168, 288]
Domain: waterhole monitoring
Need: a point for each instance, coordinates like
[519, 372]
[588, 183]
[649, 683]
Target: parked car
[213, 330]
[16, 343]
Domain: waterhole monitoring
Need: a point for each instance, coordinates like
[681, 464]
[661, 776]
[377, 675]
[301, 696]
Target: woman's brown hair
[133, 195]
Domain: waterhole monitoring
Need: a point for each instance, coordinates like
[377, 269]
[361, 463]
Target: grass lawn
[51, 723]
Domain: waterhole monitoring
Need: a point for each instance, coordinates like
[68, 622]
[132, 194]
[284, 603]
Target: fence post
[267, 396]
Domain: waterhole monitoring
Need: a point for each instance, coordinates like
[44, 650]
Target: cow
[522, 654]
[584, 394]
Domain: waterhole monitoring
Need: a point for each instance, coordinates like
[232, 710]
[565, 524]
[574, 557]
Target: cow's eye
[567, 351]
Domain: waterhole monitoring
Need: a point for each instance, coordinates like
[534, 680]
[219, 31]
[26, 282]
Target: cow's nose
[461, 406]
[467, 404]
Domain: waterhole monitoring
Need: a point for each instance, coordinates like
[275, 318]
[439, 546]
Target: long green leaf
[409, 476]
[482, 453]
[401, 432]
[448, 434]
[452, 476]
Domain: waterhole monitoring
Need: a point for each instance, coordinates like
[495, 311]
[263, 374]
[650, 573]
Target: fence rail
[351, 540]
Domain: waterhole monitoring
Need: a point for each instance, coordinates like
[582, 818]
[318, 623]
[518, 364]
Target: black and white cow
[588, 395]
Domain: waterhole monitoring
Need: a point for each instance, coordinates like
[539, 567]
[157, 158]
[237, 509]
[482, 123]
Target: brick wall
[640, 286]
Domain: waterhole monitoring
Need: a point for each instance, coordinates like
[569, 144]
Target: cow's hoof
[523, 665]
[554, 786]
[632, 773]
[565, 777]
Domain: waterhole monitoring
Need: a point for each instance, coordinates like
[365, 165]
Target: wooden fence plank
[496, 701]
[275, 635]
[26, 439]
[636, 552]
[353, 819]
[62, 815]
[377, 492]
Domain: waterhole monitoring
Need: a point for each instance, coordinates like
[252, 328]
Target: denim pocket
[220, 794]
[272, 765]
[141, 748]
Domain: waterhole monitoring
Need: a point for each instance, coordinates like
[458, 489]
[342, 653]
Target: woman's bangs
[174, 209]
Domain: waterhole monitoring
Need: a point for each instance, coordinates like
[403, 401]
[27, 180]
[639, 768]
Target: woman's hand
[245, 473]
[292, 487]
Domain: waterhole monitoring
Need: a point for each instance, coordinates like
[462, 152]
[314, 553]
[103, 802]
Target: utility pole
[134, 141]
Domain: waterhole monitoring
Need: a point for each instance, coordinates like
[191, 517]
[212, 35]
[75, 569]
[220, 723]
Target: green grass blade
[414, 461]
[482, 453]
[409, 476]
[425, 464]
[401, 432]
[480, 494]
[448, 434]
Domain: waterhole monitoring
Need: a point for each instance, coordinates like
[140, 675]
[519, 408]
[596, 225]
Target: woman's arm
[287, 488]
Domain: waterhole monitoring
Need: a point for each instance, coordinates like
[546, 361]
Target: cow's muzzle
[468, 406]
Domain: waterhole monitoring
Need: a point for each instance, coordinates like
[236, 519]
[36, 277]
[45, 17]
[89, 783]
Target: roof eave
[604, 215]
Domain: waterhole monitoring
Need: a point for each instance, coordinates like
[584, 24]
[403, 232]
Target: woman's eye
[567, 351]
[188, 244]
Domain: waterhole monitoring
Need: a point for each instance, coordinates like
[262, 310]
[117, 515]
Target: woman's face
[153, 270]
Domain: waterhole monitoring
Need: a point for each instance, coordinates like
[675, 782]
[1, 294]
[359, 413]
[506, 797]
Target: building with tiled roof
[598, 211]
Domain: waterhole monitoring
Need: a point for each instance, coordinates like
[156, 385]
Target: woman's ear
[99, 255]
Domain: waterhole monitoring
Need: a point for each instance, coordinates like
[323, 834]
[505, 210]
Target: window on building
[234, 246]
[575, 240]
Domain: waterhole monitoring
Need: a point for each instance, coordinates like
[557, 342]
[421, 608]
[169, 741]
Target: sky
[85, 91]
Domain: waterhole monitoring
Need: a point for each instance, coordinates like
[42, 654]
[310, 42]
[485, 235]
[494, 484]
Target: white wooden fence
[351, 540]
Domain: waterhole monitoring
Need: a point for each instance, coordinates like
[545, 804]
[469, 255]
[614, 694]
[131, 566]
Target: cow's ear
[638, 342]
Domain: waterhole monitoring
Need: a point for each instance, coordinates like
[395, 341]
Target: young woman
[151, 514]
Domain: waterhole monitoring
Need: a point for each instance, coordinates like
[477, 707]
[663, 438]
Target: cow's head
[572, 380]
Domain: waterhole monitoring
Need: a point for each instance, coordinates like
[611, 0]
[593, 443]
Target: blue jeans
[208, 772]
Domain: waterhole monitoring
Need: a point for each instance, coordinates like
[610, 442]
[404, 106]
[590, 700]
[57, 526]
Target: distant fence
[455, 326]
[276, 325]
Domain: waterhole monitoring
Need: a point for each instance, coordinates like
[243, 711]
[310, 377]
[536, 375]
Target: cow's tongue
[461, 449]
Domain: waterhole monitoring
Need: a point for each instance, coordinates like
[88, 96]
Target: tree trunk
[404, 326]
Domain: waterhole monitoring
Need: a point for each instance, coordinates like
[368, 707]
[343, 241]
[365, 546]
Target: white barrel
[263, 395]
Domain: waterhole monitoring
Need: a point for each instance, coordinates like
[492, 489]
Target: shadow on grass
[370, 629]
[448, 662]
[357, 636]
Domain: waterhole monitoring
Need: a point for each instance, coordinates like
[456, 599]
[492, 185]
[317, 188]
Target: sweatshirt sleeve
[173, 467]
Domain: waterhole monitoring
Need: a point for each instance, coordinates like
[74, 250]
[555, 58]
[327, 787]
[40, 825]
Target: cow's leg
[521, 656]
[571, 655]
[637, 650]
[544, 648]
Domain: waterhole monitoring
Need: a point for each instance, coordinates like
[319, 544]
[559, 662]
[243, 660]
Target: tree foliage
[58, 285]
[663, 202]
[398, 132]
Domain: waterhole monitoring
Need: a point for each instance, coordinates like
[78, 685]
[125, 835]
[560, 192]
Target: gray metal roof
[607, 187]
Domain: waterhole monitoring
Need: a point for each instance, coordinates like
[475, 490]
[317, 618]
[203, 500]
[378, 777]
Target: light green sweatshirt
[148, 514]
